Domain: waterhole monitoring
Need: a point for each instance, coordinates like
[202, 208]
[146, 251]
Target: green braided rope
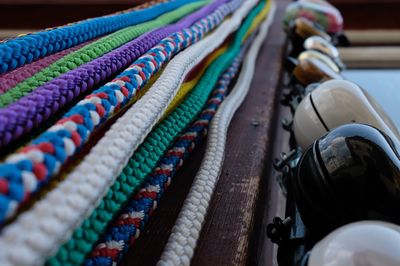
[145, 159]
[93, 51]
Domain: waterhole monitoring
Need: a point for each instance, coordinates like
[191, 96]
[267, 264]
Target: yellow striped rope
[189, 85]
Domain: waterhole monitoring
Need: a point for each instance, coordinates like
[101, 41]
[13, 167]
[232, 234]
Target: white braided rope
[38, 233]
[183, 239]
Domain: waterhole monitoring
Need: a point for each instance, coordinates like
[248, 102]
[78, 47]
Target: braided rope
[24, 172]
[123, 232]
[93, 51]
[183, 239]
[23, 50]
[63, 208]
[31, 111]
[83, 239]
[144, 159]
[12, 78]
[188, 86]
[54, 182]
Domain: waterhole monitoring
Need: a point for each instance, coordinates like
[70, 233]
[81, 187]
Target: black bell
[350, 174]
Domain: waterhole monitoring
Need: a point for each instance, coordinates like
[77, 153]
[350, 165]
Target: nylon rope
[93, 51]
[12, 78]
[188, 86]
[105, 160]
[23, 50]
[183, 239]
[123, 232]
[34, 109]
[82, 240]
[68, 168]
[145, 159]
[24, 171]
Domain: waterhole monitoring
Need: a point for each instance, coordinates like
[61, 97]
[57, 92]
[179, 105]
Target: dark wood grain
[233, 231]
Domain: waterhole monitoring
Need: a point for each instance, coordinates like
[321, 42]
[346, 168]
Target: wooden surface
[372, 37]
[234, 231]
[371, 56]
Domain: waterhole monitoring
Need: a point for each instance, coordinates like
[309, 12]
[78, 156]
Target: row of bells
[343, 176]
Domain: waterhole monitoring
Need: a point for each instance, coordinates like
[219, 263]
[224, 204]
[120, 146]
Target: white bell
[366, 243]
[335, 103]
[320, 44]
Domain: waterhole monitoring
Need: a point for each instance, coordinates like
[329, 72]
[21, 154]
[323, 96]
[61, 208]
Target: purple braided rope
[11, 79]
[31, 111]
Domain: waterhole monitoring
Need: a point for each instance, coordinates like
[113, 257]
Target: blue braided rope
[23, 50]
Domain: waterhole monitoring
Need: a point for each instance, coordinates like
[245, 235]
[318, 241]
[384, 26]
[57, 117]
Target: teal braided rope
[145, 159]
[93, 51]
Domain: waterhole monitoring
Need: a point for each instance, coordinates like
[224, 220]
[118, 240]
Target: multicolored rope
[12, 78]
[66, 221]
[25, 171]
[123, 232]
[32, 110]
[188, 86]
[143, 161]
[61, 210]
[26, 49]
[94, 50]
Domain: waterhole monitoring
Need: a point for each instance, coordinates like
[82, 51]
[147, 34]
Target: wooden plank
[232, 234]
[374, 37]
[371, 56]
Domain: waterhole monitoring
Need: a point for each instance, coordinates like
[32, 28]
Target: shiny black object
[350, 174]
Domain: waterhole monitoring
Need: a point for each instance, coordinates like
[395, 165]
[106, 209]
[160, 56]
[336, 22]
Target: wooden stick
[371, 57]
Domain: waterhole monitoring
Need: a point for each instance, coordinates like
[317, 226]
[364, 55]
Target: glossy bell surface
[319, 44]
[312, 70]
[335, 103]
[305, 28]
[350, 174]
[299, 30]
[325, 15]
[321, 57]
[363, 243]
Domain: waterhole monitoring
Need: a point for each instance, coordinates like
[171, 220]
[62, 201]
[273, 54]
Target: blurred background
[21, 16]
